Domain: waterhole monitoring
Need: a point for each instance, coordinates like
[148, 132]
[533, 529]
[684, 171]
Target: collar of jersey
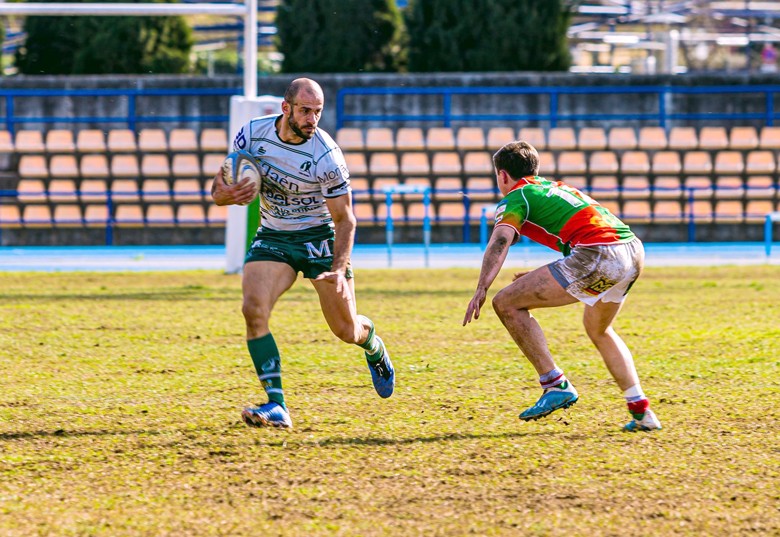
[527, 180]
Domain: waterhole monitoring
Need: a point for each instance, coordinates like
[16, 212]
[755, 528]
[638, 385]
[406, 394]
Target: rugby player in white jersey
[307, 226]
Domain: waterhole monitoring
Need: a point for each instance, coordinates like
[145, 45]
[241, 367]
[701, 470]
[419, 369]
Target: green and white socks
[268, 364]
[371, 345]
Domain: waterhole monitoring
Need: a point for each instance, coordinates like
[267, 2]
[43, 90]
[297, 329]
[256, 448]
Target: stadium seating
[648, 174]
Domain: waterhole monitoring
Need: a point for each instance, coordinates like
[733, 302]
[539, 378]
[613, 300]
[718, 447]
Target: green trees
[339, 36]
[105, 45]
[488, 35]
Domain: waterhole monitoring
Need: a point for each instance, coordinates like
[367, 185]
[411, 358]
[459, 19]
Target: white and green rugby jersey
[296, 179]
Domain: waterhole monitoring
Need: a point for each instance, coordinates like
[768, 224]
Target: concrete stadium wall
[166, 106]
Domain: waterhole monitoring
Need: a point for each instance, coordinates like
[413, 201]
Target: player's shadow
[454, 437]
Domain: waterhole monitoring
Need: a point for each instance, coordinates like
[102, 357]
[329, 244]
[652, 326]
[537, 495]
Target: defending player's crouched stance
[603, 259]
[307, 226]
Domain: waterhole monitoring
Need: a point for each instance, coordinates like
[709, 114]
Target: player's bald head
[303, 86]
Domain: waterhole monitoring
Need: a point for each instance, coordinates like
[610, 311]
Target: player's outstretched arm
[239, 193]
[494, 257]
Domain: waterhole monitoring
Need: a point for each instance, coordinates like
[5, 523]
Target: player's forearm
[493, 260]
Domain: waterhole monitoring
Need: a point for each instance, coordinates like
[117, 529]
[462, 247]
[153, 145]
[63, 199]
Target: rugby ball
[239, 165]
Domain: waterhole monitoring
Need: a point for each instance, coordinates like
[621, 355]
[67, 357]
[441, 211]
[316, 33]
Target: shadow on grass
[374, 441]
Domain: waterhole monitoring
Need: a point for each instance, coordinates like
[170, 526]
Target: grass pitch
[121, 394]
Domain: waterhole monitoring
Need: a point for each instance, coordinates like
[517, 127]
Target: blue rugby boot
[271, 414]
[382, 372]
[551, 400]
[649, 422]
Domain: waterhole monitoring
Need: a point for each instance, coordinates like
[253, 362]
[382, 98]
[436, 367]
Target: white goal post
[241, 108]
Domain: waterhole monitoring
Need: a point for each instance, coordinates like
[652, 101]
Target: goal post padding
[243, 220]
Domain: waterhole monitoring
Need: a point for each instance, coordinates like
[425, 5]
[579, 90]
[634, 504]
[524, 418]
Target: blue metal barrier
[661, 116]
[131, 119]
[771, 218]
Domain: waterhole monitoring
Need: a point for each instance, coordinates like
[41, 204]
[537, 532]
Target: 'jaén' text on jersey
[296, 178]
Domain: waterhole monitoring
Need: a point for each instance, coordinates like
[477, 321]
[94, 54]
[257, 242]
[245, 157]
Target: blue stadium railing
[662, 116]
[131, 119]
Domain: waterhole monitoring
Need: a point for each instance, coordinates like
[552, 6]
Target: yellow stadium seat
[534, 136]
[743, 138]
[380, 139]
[756, 210]
[667, 211]
[31, 190]
[364, 212]
[356, 164]
[770, 138]
[191, 214]
[666, 187]
[125, 190]
[470, 139]
[446, 163]
[572, 163]
[409, 139]
[63, 166]
[561, 139]
[350, 139]
[67, 215]
[634, 163]
[29, 141]
[155, 190]
[713, 138]
[60, 141]
[478, 163]
[760, 162]
[383, 163]
[440, 139]
[729, 162]
[603, 162]
[729, 187]
[62, 190]
[185, 165]
[547, 167]
[212, 163]
[95, 215]
[155, 166]
[33, 166]
[152, 141]
[497, 137]
[213, 140]
[760, 187]
[160, 214]
[93, 190]
[187, 190]
[622, 139]
[36, 215]
[652, 138]
[122, 141]
[683, 138]
[451, 212]
[666, 162]
[217, 215]
[591, 139]
[635, 187]
[636, 212]
[182, 140]
[129, 215]
[125, 166]
[94, 166]
[697, 162]
[6, 142]
[604, 187]
[699, 186]
[10, 216]
[90, 141]
[415, 163]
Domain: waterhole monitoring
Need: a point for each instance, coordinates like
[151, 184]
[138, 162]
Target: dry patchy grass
[121, 393]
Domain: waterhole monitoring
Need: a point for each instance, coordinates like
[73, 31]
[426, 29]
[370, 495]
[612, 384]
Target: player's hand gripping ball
[240, 165]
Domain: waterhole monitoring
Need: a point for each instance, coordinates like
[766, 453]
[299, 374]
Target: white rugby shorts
[606, 273]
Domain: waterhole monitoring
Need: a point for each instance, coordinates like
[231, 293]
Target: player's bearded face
[303, 121]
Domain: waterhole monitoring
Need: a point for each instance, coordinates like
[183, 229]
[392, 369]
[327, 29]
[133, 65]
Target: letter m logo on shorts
[322, 251]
